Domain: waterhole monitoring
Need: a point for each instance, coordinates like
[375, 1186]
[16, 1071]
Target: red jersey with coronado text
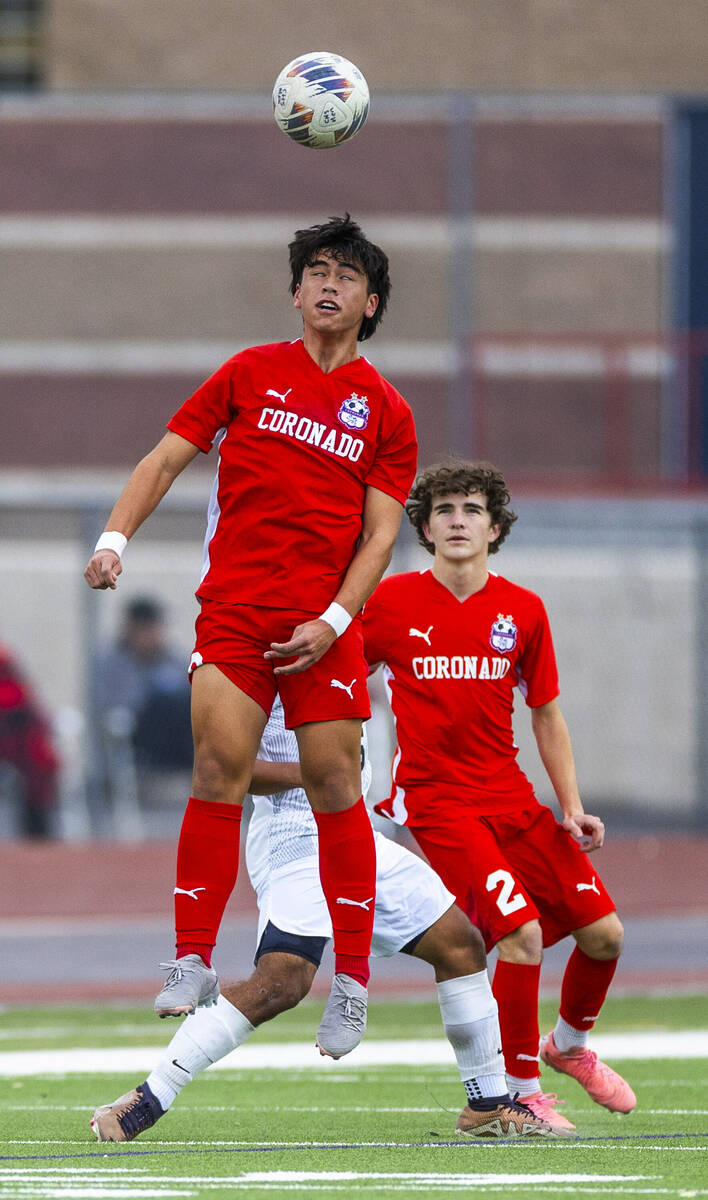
[451, 669]
[297, 448]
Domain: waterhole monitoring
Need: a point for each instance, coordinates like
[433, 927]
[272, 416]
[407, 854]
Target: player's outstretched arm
[554, 747]
[269, 778]
[312, 639]
[149, 482]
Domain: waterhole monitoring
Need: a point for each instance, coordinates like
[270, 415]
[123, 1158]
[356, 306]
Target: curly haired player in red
[316, 456]
[456, 641]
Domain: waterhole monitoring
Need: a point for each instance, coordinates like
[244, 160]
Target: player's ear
[494, 531]
[371, 305]
[296, 296]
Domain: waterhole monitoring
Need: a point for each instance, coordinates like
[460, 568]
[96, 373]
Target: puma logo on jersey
[587, 887]
[187, 892]
[420, 634]
[336, 684]
[278, 395]
[356, 903]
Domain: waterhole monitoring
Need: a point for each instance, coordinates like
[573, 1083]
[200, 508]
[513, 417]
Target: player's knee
[603, 939]
[523, 945]
[333, 786]
[453, 946]
[466, 955]
[283, 989]
[215, 778]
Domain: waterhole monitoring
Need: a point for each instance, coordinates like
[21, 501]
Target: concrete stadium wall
[508, 44]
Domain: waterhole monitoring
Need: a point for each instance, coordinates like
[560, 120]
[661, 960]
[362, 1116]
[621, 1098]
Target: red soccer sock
[348, 877]
[515, 988]
[207, 867]
[585, 985]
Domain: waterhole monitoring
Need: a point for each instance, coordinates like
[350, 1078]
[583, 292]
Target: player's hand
[103, 569]
[588, 831]
[309, 642]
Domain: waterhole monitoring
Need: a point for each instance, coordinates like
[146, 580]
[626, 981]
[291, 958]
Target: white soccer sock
[524, 1087]
[471, 1022]
[204, 1037]
[565, 1036]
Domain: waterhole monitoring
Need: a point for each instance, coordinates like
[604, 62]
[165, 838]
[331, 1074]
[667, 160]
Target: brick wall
[491, 45]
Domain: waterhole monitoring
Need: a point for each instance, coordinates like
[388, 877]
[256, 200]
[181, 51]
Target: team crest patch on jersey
[503, 634]
[354, 412]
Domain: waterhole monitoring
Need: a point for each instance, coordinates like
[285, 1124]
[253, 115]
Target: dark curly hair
[343, 239]
[456, 475]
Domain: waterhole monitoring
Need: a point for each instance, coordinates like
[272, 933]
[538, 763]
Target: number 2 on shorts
[506, 902]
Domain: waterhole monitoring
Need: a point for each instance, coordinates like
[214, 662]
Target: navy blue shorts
[277, 941]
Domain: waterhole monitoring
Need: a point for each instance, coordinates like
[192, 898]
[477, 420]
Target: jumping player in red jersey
[316, 454]
[456, 641]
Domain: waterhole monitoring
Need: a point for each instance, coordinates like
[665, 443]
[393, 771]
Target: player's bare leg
[331, 773]
[455, 950]
[227, 726]
[586, 981]
[279, 981]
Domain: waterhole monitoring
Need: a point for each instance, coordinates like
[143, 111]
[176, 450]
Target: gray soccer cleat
[189, 985]
[343, 1023]
[127, 1116]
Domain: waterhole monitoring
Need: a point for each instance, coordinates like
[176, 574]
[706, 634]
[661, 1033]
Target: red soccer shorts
[511, 868]
[236, 636]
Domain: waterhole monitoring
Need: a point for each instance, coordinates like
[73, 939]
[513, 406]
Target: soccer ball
[320, 100]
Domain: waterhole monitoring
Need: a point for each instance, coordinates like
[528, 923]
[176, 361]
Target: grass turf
[368, 1131]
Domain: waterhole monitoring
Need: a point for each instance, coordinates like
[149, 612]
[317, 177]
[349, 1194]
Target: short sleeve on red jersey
[208, 409]
[377, 625]
[393, 469]
[537, 670]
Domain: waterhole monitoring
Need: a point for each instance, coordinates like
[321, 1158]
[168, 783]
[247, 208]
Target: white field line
[289, 1056]
[81, 1185]
[316, 1108]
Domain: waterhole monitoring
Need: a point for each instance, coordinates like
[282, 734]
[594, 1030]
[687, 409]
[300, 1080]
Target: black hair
[344, 240]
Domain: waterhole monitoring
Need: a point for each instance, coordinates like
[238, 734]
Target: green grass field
[373, 1131]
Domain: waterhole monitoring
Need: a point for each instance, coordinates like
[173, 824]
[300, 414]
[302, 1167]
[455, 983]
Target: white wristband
[111, 540]
[337, 617]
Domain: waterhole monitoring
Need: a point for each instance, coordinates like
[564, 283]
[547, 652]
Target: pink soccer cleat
[602, 1084]
[542, 1105]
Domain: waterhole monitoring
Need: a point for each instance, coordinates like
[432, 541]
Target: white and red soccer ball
[320, 100]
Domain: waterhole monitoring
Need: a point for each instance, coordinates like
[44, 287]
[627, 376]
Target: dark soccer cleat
[343, 1023]
[127, 1116]
[508, 1120]
[189, 985]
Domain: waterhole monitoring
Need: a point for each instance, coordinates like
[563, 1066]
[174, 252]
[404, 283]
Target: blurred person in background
[29, 763]
[456, 642]
[140, 708]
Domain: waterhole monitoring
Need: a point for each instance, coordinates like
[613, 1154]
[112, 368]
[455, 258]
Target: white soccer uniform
[283, 865]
